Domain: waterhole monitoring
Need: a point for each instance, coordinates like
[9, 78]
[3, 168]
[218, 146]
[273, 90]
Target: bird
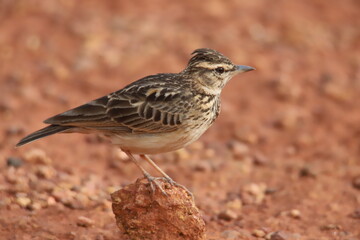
[155, 114]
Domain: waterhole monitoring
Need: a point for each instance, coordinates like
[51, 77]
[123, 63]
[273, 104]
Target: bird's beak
[243, 68]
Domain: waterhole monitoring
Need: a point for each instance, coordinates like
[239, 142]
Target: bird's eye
[220, 70]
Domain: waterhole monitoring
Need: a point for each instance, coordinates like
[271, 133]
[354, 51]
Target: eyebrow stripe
[214, 66]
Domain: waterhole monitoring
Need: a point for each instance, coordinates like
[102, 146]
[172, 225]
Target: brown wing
[90, 114]
[147, 109]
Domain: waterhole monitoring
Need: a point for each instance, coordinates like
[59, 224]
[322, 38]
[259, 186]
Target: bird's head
[212, 70]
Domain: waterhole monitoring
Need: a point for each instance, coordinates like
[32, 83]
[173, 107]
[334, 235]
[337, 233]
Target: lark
[156, 114]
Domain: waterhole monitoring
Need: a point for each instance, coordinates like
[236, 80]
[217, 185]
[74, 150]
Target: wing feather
[89, 114]
[146, 108]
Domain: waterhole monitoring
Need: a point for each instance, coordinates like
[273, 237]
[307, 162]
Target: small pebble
[50, 201]
[295, 213]
[239, 150]
[307, 171]
[337, 92]
[45, 185]
[182, 154]
[23, 201]
[330, 226]
[45, 172]
[11, 176]
[230, 234]
[260, 159]
[14, 162]
[268, 236]
[259, 233]
[72, 236]
[64, 196]
[202, 166]
[288, 119]
[253, 193]
[247, 136]
[37, 156]
[14, 130]
[285, 89]
[34, 206]
[269, 191]
[80, 201]
[84, 222]
[227, 215]
[235, 204]
[279, 236]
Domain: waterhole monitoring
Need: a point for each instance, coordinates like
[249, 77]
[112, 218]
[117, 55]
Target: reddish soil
[281, 162]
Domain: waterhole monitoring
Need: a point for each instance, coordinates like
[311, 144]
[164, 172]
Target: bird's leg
[167, 177]
[152, 163]
[152, 180]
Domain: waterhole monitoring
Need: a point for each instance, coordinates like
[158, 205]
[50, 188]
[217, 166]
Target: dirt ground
[281, 162]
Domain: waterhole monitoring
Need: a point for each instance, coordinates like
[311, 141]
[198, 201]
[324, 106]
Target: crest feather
[207, 55]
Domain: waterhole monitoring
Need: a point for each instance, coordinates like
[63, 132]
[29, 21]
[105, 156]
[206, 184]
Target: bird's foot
[173, 183]
[155, 184]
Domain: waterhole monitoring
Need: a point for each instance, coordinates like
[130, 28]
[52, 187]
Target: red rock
[141, 214]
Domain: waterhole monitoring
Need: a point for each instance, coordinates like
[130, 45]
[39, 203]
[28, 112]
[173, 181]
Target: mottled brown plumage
[158, 113]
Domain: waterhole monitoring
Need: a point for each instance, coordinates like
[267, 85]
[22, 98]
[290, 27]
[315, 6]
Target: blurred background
[283, 155]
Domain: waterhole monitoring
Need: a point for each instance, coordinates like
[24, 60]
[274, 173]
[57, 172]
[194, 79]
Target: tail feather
[44, 132]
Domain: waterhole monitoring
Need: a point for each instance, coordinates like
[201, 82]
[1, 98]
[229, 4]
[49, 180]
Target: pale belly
[156, 143]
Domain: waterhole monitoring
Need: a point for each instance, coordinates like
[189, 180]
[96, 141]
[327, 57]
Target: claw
[173, 183]
[155, 184]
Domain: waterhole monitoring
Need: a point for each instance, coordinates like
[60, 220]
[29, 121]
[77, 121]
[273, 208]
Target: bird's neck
[205, 89]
